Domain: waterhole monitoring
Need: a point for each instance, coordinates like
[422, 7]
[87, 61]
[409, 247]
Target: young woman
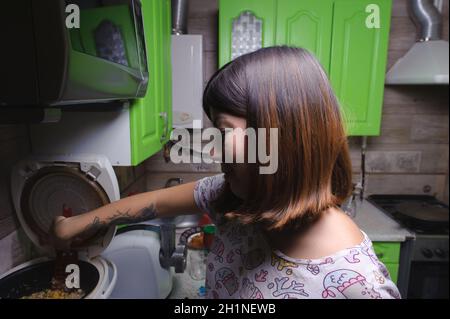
[280, 235]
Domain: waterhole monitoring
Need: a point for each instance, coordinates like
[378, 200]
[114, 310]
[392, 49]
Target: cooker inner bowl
[37, 277]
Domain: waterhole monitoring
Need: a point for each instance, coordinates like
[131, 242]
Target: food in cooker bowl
[56, 294]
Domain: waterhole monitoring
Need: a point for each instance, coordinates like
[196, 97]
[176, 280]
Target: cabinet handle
[172, 180]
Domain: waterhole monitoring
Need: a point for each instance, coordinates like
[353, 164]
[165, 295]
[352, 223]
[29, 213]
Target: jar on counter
[197, 257]
[197, 263]
[198, 249]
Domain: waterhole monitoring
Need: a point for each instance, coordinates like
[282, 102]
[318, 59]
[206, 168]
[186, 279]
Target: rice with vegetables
[56, 294]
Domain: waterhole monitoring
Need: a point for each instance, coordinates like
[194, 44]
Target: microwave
[51, 60]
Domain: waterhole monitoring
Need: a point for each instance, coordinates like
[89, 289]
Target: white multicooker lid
[46, 187]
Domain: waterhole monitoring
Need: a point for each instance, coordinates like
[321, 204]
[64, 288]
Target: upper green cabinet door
[358, 63]
[352, 52]
[151, 115]
[306, 24]
[245, 26]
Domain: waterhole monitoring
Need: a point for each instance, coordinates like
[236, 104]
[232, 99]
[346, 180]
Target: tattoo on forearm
[120, 218]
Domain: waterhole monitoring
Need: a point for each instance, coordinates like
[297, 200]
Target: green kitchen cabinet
[352, 51]
[389, 254]
[358, 64]
[151, 115]
[306, 24]
[256, 16]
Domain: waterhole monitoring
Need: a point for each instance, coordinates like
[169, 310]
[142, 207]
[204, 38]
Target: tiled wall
[410, 155]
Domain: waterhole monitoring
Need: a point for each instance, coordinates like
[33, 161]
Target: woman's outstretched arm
[163, 203]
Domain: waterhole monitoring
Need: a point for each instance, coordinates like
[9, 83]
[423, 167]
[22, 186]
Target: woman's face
[236, 174]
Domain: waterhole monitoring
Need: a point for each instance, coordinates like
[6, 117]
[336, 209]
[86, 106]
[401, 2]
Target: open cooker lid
[47, 189]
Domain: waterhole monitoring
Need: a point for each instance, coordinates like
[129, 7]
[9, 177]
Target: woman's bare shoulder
[335, 231]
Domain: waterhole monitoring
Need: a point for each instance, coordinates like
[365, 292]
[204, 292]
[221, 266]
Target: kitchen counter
[379, 226]
[185, 287]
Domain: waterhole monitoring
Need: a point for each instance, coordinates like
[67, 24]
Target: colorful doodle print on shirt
[287, 290]
[230, 257]
[249, 290]
[217, 249]
[206, 190]
[395, 294]
[252, 259]
[368, 251]
[349, 284]
[383, 270]
[235, 233]
[261, 276]
[225, 277]
[351, 256]
[281, 264]
[314, 268]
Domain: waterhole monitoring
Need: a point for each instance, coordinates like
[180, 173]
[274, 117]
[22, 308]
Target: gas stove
[420, 214]
[427, 256]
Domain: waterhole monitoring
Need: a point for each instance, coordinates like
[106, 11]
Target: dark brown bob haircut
[285, 88]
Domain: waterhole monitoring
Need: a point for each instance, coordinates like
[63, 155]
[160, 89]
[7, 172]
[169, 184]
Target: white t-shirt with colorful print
[241, 264]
